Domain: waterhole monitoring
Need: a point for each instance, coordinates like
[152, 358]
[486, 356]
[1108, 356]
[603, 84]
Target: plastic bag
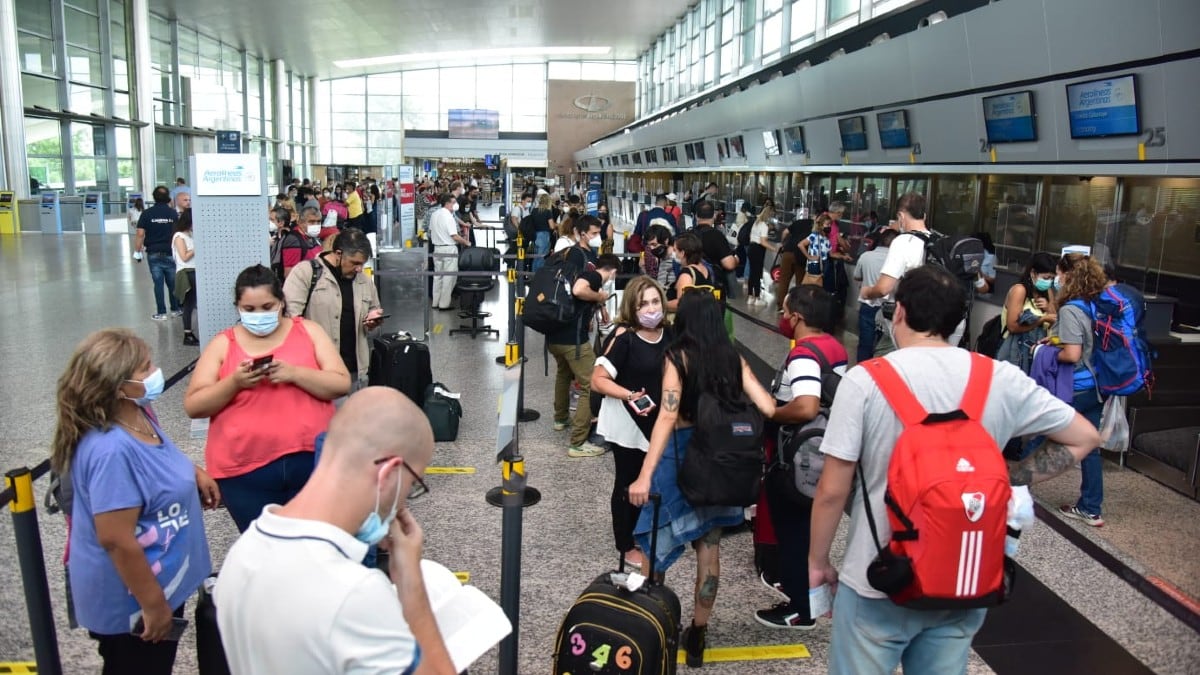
[1114, 425]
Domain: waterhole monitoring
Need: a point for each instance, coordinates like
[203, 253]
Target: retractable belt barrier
[18, 496]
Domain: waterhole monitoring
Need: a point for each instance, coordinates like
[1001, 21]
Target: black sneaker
[190, 340]
[693, 645]
[774, 586]
[781, 616]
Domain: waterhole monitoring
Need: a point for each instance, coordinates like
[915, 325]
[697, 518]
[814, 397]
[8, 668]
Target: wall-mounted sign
[221, 175]
[229, 142]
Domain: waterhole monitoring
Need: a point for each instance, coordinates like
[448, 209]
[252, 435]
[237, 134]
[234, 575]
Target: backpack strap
[979, 383]
[898, 395]
[316, 276]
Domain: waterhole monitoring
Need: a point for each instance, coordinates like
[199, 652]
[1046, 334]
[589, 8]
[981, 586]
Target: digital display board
[893, 129]
[795, 140]
[492, 162]
[474, 124]
[689, 151]
[771, 143]
[1009, 118]
[854, 133]
[699, 145]
[1103, 108]
[737, 148]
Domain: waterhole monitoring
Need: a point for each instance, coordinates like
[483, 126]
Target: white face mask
[314, 230]
[454, 206]
[595, 241]
[271, 227]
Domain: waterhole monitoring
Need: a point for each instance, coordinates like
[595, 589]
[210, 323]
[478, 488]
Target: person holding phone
[629, 376]
[136, 533]
[267, 386]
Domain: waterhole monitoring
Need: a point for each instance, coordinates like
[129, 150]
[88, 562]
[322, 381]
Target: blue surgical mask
[1057, 283]
[261, 324]
[1043, 285]
[374, 528]
[154, 388]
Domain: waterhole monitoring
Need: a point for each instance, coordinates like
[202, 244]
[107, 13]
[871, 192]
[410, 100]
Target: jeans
[189, 302]
[628, 462]
[792, 530]
[866, 332]
[578, 368]
[1091, 487]
[541, 246]
[162, 272]
[872, 635]
[276, 483]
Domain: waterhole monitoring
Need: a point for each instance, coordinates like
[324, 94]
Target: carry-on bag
[402, 363]
[210, 653]
[444, 410]
[611, 629]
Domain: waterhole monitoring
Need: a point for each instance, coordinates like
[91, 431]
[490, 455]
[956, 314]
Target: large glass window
[1157, 227]
[840, 9]
[44, 152]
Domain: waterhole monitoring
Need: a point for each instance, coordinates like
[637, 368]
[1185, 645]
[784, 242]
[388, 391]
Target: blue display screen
[1103, 108]
[1009, 118]
[795, 140]
[854, 133]
[893, 129]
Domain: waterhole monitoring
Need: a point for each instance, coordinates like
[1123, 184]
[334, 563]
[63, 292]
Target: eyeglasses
[419, 487]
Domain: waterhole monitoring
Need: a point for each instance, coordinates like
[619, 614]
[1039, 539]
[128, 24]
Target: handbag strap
[862, 482]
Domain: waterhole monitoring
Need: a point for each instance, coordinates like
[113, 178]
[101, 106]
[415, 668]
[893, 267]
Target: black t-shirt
[578, 332]
[639, 365]
[541, 220]
[159, 223]
[796, 233]
[716, 248]
[698, 278]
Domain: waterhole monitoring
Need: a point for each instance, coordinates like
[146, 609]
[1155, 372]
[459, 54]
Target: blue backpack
[1120, 354]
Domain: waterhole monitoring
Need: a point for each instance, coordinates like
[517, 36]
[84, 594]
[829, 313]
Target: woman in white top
[756, 252]
[135, 213]
[183, 249]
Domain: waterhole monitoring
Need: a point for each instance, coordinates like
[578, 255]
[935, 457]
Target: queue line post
[33, 571]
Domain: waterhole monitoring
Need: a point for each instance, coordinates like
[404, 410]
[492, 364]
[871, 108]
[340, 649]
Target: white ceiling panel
[309, 35]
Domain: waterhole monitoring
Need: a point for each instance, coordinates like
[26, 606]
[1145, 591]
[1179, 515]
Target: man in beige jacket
[333, 291]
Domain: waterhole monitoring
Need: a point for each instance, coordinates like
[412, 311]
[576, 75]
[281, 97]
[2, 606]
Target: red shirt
[268, 421]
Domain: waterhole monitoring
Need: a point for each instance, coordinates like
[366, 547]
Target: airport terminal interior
[1041, 124]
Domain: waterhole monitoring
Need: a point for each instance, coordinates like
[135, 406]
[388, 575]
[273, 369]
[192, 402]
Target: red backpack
[947, 500]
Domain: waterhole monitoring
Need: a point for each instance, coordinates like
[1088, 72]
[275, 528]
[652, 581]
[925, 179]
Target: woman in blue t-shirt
[137, 544]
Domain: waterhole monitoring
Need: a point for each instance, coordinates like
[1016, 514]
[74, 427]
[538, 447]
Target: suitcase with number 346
[616, 631]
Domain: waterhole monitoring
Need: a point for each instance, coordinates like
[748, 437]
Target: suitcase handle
[656, 500]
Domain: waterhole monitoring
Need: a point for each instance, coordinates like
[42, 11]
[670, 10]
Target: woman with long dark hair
[184, 250]
[1080, 281]
[628, 369]
[1028, 311]
[267, 385]
[700, 360]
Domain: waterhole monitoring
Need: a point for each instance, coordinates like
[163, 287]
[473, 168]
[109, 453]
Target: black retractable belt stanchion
[512, 295]
[33, 572]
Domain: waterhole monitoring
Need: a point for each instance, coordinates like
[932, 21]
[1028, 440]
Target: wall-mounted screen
[637, 158]
[737, 147]
[624, 160]
[1009, 118]
[689, 151]
[1103, 107]
[771, 143]
[722, 149]
[795, 140]
[700, 150]
[893, 129]
[854, 133]
[492, 162]
[478, 124]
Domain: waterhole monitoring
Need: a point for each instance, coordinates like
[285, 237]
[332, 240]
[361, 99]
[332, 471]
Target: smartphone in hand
[641, 405]
[262, 362]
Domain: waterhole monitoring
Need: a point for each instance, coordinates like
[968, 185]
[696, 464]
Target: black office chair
[471, 288]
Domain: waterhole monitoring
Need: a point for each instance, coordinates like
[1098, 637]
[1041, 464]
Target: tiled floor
[59, 289]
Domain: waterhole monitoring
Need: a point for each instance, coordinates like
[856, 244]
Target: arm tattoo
[671, 400]
[1045, 463]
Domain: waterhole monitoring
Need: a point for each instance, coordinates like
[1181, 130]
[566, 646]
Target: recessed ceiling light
[472, 54]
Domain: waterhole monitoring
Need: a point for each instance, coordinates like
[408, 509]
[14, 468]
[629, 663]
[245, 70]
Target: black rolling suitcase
[400, 362]
[613, 630]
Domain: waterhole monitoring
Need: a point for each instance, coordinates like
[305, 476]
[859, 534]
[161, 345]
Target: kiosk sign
[228, 175]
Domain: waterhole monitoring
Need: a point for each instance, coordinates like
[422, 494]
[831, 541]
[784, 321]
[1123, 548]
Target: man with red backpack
[918, 433]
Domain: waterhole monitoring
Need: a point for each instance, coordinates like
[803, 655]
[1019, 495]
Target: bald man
[293, 595]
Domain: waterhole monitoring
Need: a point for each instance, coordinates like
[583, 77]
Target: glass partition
[1157, 228]
[1010, 215]
[954, 204]
[1076, 210]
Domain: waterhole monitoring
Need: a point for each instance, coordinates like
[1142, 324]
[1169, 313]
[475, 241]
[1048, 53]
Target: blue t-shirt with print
[113, 471]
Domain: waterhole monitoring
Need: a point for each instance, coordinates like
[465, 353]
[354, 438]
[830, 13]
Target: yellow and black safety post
[33, 570]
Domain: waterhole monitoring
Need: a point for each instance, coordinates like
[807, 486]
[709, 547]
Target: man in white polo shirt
[293, 595]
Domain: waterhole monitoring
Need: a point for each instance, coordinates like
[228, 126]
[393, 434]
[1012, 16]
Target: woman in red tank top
[267, 386]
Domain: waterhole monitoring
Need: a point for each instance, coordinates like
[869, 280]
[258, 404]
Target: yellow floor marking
[437, 328]
[464, 577]
[449, 470]
[18, 667]
[763, 653]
